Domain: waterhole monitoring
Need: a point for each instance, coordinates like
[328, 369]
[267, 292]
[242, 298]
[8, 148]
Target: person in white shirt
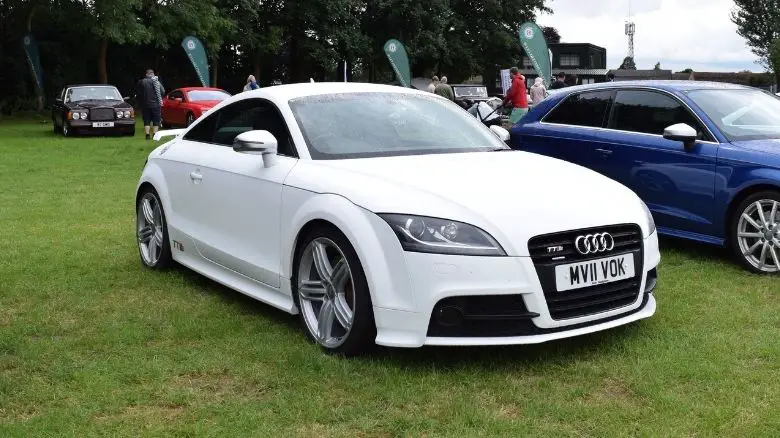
[432, 85]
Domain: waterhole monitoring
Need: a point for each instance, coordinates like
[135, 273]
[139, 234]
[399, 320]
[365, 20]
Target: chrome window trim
[615, 89]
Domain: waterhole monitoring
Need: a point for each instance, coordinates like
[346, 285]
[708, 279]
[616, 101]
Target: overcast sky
[678, 33]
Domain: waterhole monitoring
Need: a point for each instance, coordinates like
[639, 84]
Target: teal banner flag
[197, 54]
[535, 46]
[33, 58]
[399, 60]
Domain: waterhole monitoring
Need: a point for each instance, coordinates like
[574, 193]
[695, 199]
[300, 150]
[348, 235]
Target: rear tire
[151, 228]
[335, 308]
[754, 233]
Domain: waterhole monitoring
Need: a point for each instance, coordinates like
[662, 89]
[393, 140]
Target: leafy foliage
[278, 41]
[758, 21]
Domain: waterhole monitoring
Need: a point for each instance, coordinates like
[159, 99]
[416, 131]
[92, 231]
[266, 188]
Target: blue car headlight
[441, 236]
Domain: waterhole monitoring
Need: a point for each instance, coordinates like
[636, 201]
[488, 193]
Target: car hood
[512, 195]
[100, 104]
[769, 146]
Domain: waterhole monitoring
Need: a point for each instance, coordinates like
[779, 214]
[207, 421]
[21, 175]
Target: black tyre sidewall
[189, 121]
[362, 336]
[734, 225]
[166, 258]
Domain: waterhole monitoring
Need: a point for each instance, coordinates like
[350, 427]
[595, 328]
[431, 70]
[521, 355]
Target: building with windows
[587, 61]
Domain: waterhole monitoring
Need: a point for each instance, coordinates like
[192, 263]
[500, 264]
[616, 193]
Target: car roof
[680, 86]
[88, 85]
[293, 91]
[199, 89]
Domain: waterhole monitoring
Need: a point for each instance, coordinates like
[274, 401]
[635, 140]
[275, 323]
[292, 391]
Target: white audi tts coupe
[384, 215]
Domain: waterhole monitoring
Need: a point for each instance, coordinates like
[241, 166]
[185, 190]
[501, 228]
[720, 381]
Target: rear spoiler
[167, 133]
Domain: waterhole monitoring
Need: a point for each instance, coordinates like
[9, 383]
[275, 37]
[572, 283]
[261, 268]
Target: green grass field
[93, 344]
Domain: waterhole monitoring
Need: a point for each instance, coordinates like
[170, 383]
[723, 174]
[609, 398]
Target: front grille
[590, 300]
[102, 114]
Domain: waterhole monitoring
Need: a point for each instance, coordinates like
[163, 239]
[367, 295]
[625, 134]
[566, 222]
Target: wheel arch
[740, 196]
[376, 246]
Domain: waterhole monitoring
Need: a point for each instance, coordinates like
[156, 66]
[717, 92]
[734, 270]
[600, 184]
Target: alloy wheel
[326, 292]
[758, 234]
[150, 229]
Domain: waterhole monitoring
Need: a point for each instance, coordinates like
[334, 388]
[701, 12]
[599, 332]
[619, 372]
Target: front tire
[190, 119]
[755, 233]
[331, 292]
[152, 231]
[66, 131]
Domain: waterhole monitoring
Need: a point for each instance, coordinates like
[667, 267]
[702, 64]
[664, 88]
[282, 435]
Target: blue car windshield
[741, 114]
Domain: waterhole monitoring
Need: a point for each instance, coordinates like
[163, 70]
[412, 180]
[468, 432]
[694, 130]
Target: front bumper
[123, 125]
[509, 280]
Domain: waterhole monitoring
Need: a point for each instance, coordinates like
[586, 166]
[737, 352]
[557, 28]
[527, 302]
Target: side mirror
[500, 132]
[257, 143]
[681, 132]
[125, 98]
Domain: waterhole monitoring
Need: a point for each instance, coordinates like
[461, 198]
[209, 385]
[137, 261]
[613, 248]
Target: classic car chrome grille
[102, 114]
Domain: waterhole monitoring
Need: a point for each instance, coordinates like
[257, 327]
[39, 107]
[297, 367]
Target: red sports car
[183, 106]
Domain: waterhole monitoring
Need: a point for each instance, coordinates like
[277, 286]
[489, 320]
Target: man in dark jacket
[558, 81]
[149, 96]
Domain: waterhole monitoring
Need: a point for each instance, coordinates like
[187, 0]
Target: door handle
[196, 177]
[604, 151]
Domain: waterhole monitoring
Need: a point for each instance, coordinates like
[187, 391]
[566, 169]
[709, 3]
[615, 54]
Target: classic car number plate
[102, 124]
[594, 272]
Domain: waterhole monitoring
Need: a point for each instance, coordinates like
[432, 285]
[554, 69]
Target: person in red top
[517, 96]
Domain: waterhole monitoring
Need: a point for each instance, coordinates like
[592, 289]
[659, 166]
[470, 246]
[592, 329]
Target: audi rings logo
[594, 243]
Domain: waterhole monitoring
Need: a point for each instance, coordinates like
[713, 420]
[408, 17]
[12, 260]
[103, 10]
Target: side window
[649, 113]
[584, 109]
[223, 126]
[174, 94]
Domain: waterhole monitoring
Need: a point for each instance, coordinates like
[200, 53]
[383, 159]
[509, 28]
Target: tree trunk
[38, 88]
[256, 66]
[215, 66]
[777, 79]
[102, 72]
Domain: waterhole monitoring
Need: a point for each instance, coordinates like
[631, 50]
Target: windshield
[200, 95]
[92, 93]
[361, 125]
[741, 114]
[470, 92]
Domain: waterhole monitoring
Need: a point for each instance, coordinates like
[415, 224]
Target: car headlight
[127, 114]
[650, 221]
[441, 236]
[119, 114]
[83, 116]
[76, 116]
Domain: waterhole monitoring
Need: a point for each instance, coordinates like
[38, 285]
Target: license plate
[102, 124]
[594, 272]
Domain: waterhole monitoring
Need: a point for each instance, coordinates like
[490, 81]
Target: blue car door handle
[604, 151]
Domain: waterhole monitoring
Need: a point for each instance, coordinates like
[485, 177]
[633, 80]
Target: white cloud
[677, 33]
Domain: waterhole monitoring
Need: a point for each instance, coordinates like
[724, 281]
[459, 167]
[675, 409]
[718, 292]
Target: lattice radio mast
[630, 31]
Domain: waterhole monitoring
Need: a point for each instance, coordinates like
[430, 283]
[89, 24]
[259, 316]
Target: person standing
[432, 85]
[149, 94]
[443, 89]
[251, 83]
[538, 91]
[517, 96]
[571, 80]
[558, 81]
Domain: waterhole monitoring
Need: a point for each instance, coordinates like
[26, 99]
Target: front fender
[152, 174]
[377, 247]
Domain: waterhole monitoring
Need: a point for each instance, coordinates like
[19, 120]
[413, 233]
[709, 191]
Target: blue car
[704, 157]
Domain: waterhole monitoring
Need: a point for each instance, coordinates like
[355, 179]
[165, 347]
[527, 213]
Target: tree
[628, 64]
[657, 66]
[758, 21]
[551, 35]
